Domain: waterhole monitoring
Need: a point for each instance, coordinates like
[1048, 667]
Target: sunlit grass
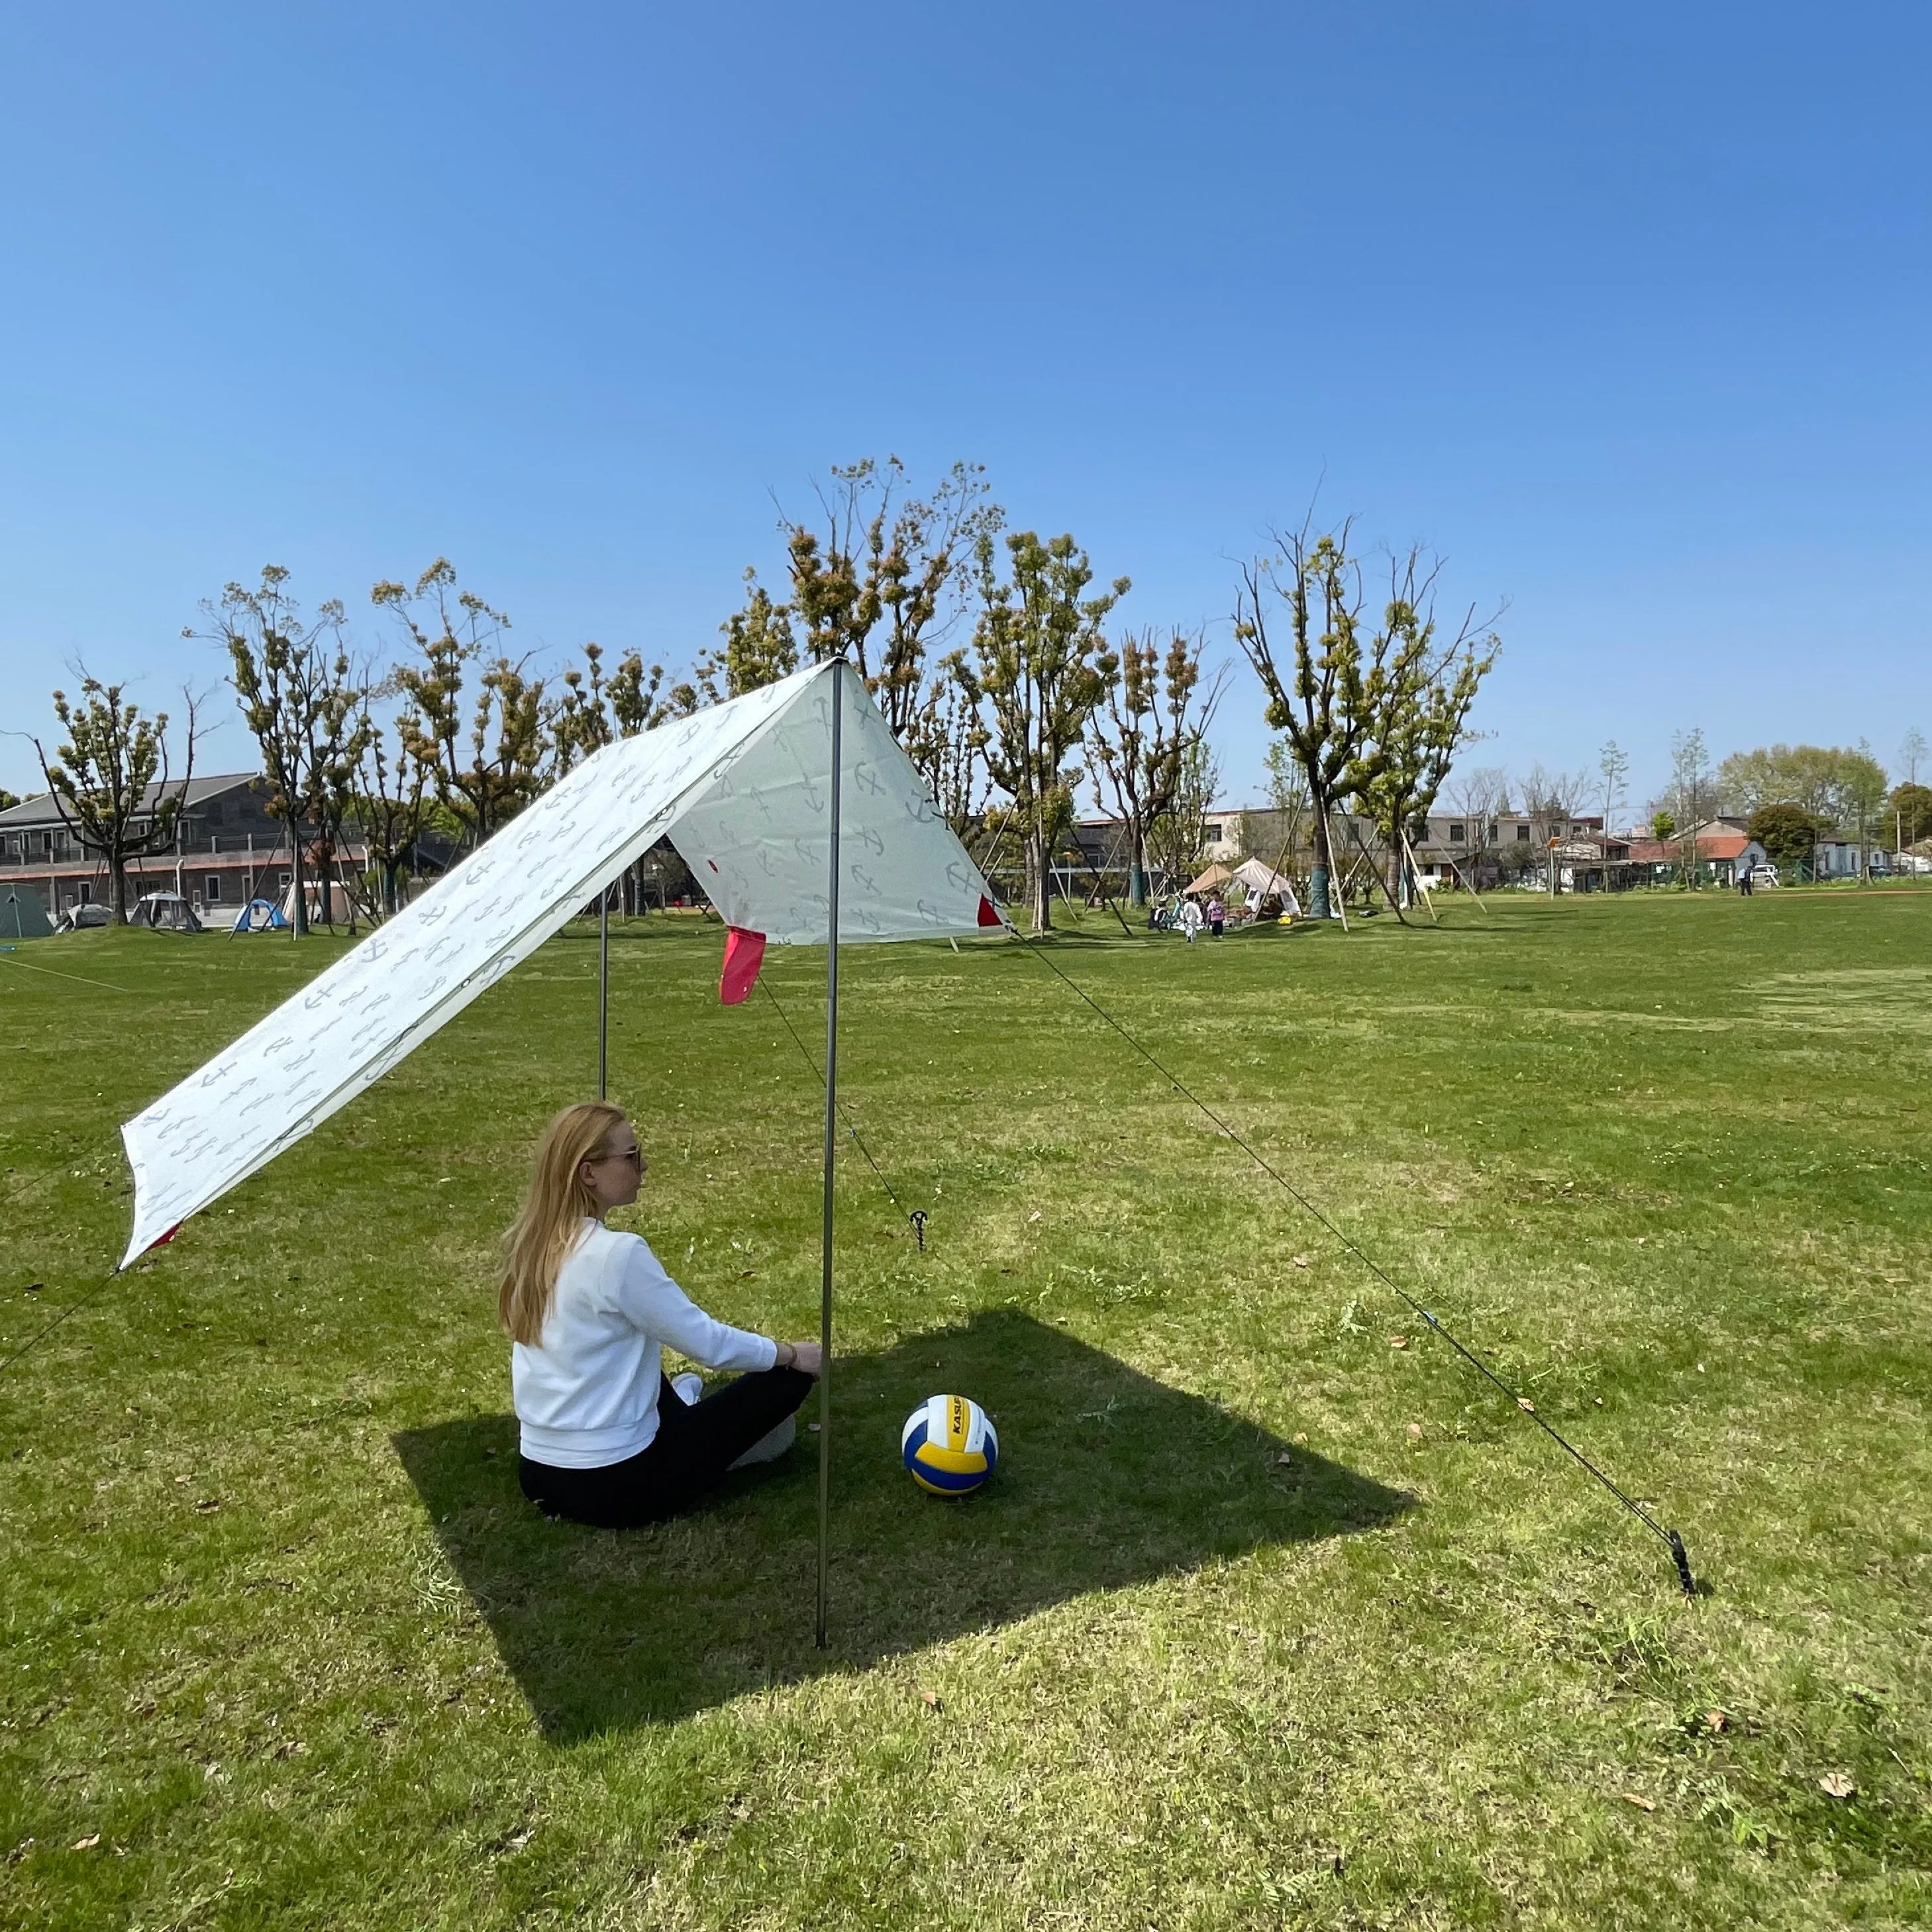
[1274, 1614]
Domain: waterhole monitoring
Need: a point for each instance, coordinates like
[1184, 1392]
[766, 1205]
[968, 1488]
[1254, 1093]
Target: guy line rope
[1670, 1538]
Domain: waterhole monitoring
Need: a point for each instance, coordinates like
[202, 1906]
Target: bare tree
[1177, 841]
[947, 744]
[1692, 785]
[1420, 715]
[1613, 768]
[1481, 795]
[1551, 794]
[880, 577]
[1298, 616]
[1288, 796]
[637, 699]
[759, 646]
[100, 776]
[1035, 670]
[485, 779]
[1153, 709]
[390, 795]
[301, 703]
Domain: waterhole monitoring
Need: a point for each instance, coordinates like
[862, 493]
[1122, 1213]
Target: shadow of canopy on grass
[1106, 1479]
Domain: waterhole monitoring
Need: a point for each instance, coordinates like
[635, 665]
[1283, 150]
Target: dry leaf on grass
[930, 1698]
[1838, 1784]
[1415, 1431]
[1716, 1721]
[1284, 1457]
[1642, 1803]
[1299, 1260]
[87, 1844]
[1398, 1341]
[1523, 1402]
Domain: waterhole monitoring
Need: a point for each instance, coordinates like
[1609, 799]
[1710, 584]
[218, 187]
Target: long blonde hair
[548, 1224]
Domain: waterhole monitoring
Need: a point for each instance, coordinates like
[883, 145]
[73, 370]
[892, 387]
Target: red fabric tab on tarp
[988, 916]
[744, 954]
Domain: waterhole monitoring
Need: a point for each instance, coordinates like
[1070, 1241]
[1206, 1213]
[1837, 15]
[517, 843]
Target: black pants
[691, 1451]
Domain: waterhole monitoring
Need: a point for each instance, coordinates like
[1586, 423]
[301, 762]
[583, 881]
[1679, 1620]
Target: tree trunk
[298, 910]
[1040, 880]
[1323, 870]
[117, 887]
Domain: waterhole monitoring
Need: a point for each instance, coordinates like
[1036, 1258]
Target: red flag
[744, 954]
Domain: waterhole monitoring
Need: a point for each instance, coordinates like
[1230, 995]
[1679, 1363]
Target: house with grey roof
[226, 850]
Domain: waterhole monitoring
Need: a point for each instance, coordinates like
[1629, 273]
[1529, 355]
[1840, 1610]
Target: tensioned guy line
[1669, 1537]
[916, 1218]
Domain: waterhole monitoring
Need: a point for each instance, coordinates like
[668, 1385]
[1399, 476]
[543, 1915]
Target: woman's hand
[806, 1357]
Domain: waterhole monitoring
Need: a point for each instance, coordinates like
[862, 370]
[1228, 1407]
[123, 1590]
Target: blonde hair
[548, 1224]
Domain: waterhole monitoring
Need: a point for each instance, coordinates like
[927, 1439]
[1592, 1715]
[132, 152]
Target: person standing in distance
[606, 1437]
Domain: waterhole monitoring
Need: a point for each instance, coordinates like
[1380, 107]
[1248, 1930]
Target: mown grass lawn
[1269, 1618]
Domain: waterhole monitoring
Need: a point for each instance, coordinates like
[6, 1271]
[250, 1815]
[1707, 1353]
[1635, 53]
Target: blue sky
[1624, 311]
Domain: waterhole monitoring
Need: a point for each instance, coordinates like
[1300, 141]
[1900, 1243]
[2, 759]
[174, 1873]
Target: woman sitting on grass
[608, 1438]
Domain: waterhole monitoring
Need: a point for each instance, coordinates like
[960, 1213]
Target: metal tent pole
[831, 1156]
[603, 991]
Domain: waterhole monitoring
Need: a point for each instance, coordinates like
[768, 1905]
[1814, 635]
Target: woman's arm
[653, 1302]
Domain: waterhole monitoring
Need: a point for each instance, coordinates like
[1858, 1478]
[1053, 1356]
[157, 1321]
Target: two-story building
[227, 849]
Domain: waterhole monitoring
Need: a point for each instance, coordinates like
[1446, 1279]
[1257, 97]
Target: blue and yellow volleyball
[948, 1445]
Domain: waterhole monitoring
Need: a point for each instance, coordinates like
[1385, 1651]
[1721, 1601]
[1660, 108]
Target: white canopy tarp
[742, 790]
[1263, 882]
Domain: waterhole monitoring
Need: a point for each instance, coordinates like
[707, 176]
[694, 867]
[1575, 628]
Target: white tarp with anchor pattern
[742, 790]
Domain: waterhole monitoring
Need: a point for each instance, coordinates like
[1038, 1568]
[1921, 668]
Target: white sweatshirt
[587, 1394]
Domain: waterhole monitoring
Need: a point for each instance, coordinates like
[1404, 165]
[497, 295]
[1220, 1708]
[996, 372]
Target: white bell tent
[744, 790]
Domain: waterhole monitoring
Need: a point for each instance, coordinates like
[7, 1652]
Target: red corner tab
[988, 916]
[744, 954]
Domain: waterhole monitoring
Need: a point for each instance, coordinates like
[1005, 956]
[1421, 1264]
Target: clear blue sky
[1625, 309]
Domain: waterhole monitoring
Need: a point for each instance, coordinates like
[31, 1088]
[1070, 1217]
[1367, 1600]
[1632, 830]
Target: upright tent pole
[831, 1155]
[603, 991]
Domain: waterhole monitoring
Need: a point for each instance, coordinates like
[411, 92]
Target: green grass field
[1274, 1614]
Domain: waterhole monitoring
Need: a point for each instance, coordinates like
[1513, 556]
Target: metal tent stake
[603, 991]
[831, 1156]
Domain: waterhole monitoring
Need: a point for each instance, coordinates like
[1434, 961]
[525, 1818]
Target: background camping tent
[742, 790]
[260, 915]
[23, 916]
[77, 916]
[1216, 876]
[166, 912]
[1261, 881]
[337, 907]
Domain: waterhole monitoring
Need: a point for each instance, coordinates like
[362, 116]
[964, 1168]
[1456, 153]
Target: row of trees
[987, 650]
[1790, 796]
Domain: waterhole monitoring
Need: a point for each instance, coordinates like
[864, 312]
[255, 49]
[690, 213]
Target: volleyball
[948, 1445]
